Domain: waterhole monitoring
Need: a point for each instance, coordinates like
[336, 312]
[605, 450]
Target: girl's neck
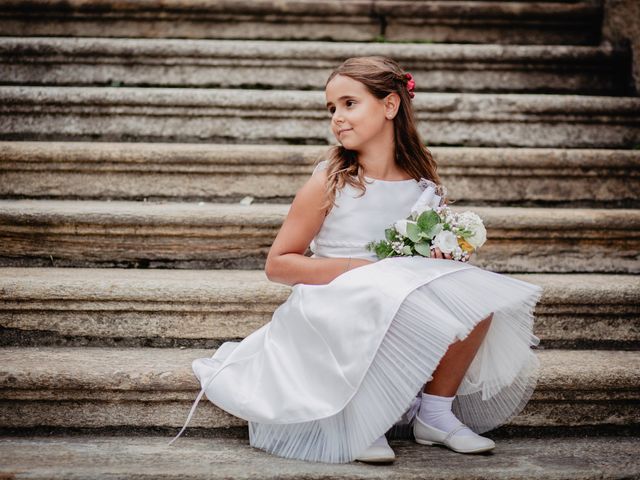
[381, 166]
[377, 157]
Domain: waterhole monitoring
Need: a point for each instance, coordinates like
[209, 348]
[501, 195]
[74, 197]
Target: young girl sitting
[344, 358]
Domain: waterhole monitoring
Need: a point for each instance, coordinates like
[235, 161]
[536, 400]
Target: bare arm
[286, 262]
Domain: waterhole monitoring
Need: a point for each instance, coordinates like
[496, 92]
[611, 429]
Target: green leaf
[407, 250]
[383, 250]
[413, 232]
[390, 234]
[433, 231]
[428, 219]
[423, 248]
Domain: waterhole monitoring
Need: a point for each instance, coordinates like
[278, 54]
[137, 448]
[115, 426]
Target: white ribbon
[431, 196]
[199, 397]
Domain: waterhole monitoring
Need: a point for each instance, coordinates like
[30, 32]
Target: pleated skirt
[440, 311]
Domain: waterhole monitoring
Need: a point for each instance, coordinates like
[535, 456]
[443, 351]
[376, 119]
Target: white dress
[341, 364]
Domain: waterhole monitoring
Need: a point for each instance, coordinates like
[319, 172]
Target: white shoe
[428, 435]
[378, 452]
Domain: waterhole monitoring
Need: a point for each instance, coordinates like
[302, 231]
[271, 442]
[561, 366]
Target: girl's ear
[391, 105]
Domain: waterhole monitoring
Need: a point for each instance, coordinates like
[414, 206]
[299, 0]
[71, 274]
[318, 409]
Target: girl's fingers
[447, 256]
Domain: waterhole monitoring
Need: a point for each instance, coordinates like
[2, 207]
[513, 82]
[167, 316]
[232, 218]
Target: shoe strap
[454, 431]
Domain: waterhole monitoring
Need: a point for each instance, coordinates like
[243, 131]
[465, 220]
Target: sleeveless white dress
[341, 364]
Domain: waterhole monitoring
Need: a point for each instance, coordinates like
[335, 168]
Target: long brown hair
[381, 76]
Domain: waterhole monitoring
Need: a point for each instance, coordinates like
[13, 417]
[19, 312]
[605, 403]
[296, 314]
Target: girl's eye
[348, 103]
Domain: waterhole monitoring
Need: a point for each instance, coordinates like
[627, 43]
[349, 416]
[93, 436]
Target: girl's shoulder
[321, 166]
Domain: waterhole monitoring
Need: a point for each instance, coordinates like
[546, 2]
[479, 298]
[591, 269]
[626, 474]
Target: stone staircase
[148, 154]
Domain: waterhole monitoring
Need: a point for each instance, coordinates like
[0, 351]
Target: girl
[361, 344]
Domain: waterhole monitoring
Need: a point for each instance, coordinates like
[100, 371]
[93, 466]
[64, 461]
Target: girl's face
[357, 116]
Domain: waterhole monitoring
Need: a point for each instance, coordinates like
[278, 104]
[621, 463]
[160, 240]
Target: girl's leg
[454, 364]
[436, 422]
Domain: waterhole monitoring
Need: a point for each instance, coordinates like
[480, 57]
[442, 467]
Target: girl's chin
[348, 145]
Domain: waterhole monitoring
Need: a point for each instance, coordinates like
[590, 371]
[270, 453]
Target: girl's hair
[381, 76]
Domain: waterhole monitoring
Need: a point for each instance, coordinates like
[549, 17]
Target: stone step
[273, 173]
[306, 65]
[54, 457]
[299, 117]
[189, 235]
[517, 22]
[154, 387]
[202, 309]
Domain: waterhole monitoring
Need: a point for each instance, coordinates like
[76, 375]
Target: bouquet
[432, 224]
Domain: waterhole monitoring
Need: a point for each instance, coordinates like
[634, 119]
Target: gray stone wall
[621, 24]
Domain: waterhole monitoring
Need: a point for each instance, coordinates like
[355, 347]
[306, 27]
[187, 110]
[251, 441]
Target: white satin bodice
[355, 221]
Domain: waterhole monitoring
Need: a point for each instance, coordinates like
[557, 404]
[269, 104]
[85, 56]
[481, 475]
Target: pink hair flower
[411, 84]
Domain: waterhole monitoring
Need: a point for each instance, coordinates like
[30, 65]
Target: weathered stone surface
[599, 311]
[129, 386]
[148, 305]
[138, 234]
[187, 235]
[492, 22]
[196, 308]
[259, 116]
[306, 65]
[621, 26]
[227, 173]
[99, 387]
[88, 456]
[440, 21]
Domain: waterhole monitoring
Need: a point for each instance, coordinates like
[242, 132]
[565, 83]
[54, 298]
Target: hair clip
[411, 84]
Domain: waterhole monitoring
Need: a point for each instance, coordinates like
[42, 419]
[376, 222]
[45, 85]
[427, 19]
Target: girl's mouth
[344, 130]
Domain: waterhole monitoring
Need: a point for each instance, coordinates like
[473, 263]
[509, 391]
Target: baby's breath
[420, 242]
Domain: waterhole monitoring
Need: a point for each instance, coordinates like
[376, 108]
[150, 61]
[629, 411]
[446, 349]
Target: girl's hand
[437, 253]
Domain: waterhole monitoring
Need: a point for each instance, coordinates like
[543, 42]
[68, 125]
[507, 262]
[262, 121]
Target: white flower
[397, 246]
[446, 241]
[473, 222]
[479, 237]
[468, 218]
[401, 226]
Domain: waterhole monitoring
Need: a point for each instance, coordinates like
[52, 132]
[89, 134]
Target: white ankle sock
[436, 412]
